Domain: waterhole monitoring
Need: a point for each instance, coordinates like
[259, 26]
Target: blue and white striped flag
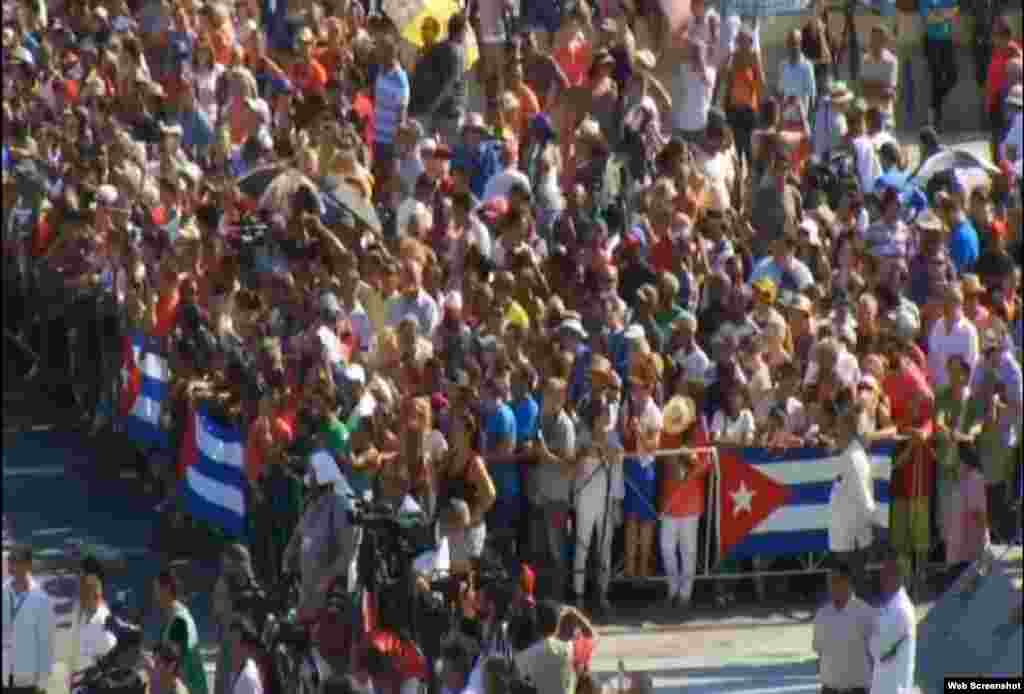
[213, 457]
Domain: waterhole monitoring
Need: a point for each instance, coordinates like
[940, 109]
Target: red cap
[527, 579]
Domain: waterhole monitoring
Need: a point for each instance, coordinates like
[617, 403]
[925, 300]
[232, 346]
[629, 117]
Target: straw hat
[602, 375]
[839, 93]
[1015, 97]
[678, 415]
[645, 59]
[971, 284]
[645, 368]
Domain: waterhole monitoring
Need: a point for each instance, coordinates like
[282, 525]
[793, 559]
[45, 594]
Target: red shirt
[996, 83]
[687, 497]
[309, 78]
[912, 399]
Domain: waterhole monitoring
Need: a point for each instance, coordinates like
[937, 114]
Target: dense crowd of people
[533, 320]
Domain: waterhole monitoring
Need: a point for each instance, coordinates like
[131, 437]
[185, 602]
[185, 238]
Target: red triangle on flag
[132, 385]
[747, 495]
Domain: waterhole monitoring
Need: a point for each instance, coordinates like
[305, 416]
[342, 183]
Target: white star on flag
[741, 499]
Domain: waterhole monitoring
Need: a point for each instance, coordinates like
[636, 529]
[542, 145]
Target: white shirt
[691, 96]
[28, 635]
[841, 638]
[896, 620]
[90, 639]
[735, 431]
[248, 681]
[945, 340]
[866, 158]
[730, 30]
[1014, 137]
[501, 183]
[851, 504]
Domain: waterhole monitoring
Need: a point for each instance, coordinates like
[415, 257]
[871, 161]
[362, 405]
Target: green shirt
[960, 415]
[181, 629]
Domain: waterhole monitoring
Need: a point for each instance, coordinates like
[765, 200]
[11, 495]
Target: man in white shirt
[894, 640]
[952, 334]
[502, 182]
[842, 632]
[247, 678]
[851, 503]
[693, 85]
[28, 629]
[548, 663]
[90, 638]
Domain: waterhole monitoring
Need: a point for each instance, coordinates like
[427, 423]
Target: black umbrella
[255, 183]
[339, 197]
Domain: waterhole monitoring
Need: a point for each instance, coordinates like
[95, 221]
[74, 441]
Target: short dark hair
[549, 613]
[341, 684]
[169, 582]
[91, 567]
[457, 26]
[461, 652]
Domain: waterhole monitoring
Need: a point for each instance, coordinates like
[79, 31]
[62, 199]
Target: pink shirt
[966, 539]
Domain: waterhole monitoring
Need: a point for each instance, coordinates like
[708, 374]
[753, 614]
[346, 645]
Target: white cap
[355, 373]
[453, 300]
[635, 332]
[106, 194]
[260, 108]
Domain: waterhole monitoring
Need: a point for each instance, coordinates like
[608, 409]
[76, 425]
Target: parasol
[341, 196]
[254, 183]
[408, 16]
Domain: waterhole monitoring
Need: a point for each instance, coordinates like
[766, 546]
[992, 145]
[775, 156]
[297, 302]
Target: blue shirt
[942, 30]
[391, 98]
[527, 413]
[197, 133]
[964, 246]
[498, 426]
[797, 79]
[795, 279]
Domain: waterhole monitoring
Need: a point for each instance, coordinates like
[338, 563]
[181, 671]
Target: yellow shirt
[517, 315]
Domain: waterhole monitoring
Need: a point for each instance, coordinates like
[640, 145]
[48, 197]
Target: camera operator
[236, 576]
[550, 662]
[324, 541]
[90, 638]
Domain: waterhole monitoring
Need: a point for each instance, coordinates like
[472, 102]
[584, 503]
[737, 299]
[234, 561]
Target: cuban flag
[146, 379]
[212, 456]
[772, 504]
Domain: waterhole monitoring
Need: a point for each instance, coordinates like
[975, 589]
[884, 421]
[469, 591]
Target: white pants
[593, 531]
[679, 554]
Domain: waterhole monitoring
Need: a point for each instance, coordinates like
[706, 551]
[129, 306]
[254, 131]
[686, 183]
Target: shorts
[641, 489]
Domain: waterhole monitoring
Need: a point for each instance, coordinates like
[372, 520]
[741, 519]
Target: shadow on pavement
[789, 677]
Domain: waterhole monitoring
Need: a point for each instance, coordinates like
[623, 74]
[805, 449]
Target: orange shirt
[574, 59]
[309, 78]
[746, 88]
[686, 497]
[529, 107]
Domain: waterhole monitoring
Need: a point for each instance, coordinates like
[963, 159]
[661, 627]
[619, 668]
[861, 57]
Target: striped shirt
[391, 98]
